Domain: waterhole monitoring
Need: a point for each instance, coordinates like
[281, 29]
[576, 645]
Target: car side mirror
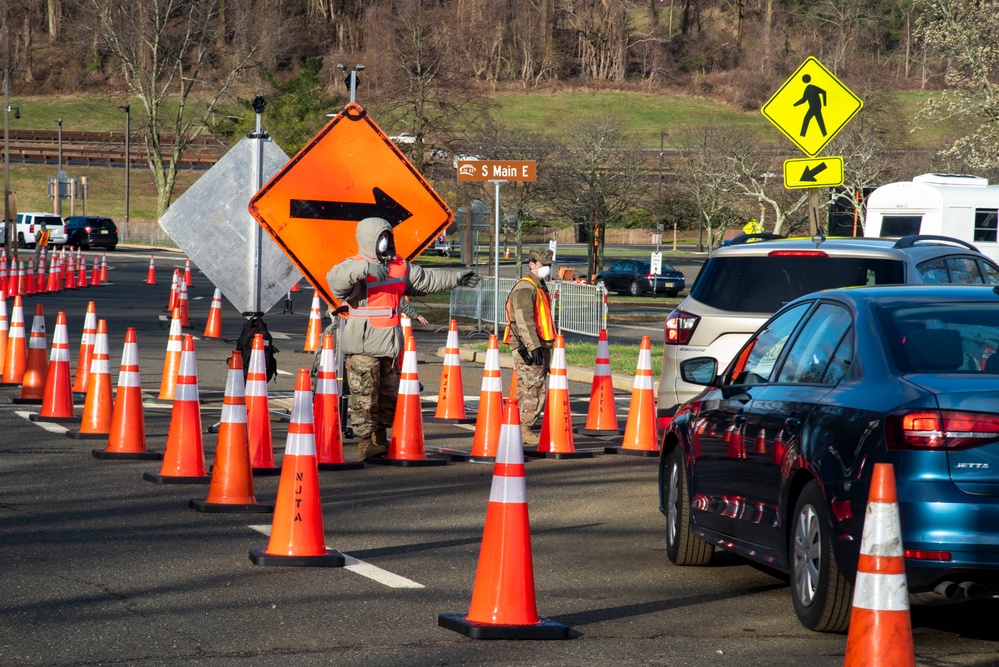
[700, 370]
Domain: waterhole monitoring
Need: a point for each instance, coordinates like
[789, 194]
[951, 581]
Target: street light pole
[128, 159]
[351, 79]
[6, 163]
[59, 123]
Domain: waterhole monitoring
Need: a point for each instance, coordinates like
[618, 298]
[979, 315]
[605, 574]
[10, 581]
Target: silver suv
[744, 283]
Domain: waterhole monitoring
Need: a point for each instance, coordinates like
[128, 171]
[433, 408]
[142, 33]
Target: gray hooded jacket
[348, 282]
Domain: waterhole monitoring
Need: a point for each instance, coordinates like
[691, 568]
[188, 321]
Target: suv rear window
[48, 220]
[763, 284]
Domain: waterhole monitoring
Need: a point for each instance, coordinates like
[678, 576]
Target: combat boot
[381, 437]
[367, 448]
[530, 437]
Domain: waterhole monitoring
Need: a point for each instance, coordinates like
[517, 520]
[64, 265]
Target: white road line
[281, 372]
[48, 426]
[361, 567]
[280, 336]
[626, 326]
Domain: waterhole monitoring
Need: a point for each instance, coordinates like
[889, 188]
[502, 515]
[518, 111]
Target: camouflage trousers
[374, 389]
[532, 389]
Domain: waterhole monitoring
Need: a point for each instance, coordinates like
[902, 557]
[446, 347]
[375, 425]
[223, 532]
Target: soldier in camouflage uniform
[372, 284]
[531, 336]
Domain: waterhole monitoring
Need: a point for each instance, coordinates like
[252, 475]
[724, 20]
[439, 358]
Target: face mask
[544, 271]
[382, 246]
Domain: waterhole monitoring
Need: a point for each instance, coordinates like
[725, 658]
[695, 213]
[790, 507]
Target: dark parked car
[90, 231]
[774, 459]
[635, 277]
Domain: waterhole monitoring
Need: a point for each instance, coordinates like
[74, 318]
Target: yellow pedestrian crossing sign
[813, 172]
[812, 107]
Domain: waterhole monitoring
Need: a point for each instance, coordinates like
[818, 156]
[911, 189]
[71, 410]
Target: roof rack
[913, 239]
[743, 238]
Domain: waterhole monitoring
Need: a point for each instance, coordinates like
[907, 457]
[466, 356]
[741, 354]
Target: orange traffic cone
[513, 389]
[36, 366]
[22, 280]
[489, 420]
[96, 423]
[326, 413]
[314, 332]
[16, 355]
[504, 605]
[258, 413]
[183, 304]
[151, 273]
[29, 277]
[104, 268]
[601, 419]
[69, 273]
[127, 439]
[406, 323]
[880, 629]
[406, 448]
[3, 273]
[57, 403]
[556, 441]
[86, 350]
[213, 327]
[184, 456]
[81, 271]
[187, 273]
[172, 303]
[297, 529]
[171, 362]
[640, 436]
[231, 489]
[41, 286]
[95, 273]
[451, 398]
[4, 328]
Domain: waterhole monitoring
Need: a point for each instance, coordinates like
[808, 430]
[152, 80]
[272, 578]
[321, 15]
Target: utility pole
[128, 159]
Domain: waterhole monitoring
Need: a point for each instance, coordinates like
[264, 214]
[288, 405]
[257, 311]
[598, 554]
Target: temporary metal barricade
[578, 308]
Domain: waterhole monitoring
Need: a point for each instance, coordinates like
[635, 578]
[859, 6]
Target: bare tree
[706, 177]
[756, 173]
[598, 178]
[167, 54]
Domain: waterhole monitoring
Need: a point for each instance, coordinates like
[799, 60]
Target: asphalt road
[98, 566]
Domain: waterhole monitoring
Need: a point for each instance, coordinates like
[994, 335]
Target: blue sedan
[773, 460]
[635, 277]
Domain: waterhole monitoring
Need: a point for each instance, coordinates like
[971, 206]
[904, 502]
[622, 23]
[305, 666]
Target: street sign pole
[258, 137]
[496, 247]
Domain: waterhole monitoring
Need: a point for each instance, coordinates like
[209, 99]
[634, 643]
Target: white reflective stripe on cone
[881, 592]
[508, 490]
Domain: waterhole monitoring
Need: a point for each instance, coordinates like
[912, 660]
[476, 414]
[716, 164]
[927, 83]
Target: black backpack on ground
[255, 325]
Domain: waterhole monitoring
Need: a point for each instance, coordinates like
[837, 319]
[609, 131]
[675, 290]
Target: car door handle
[791, 425]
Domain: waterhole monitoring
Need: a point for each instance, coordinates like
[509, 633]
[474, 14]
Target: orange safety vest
[43, 238]
[382, 311]
[543, 320]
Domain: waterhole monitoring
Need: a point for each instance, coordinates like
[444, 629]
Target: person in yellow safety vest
[42, 239]
[531, 336]
[372, 285]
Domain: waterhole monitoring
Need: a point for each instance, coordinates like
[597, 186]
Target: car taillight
[919, 554]
[679, 327]
[88, 229]
[944, 429]
[650, 275]
[797, 253]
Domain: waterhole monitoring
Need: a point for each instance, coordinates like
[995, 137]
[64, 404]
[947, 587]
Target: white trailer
[955, 205]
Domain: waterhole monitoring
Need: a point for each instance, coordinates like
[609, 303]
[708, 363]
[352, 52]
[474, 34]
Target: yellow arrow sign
[813, 172]
[812, 107]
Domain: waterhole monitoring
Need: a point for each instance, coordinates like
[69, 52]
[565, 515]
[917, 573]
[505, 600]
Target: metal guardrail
[578, 308]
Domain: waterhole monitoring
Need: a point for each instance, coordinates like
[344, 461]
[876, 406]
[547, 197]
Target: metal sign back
[211, 224]
[351, 170]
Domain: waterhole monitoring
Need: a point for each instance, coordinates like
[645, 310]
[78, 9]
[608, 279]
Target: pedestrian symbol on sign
[815, 98]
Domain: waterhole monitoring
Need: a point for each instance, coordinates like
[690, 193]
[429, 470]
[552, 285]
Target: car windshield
[944, 337]
[762, 284]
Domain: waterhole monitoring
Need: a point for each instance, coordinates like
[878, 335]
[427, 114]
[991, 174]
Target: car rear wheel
[682, 546]
[820, 592]
[600, 284]
[20, 241]
[635, 289]
[672, 294]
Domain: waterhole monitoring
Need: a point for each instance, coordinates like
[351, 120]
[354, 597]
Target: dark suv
[91, 231]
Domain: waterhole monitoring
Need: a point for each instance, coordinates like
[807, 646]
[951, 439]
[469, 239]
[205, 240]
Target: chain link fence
[578, 308]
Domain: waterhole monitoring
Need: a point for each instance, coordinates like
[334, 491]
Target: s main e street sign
[351, 170]
[813, 172]
[812, 107]
[480, 171]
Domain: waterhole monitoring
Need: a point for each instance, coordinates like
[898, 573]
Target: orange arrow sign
[350, 171]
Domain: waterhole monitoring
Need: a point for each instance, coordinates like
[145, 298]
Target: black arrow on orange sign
[383, 207]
